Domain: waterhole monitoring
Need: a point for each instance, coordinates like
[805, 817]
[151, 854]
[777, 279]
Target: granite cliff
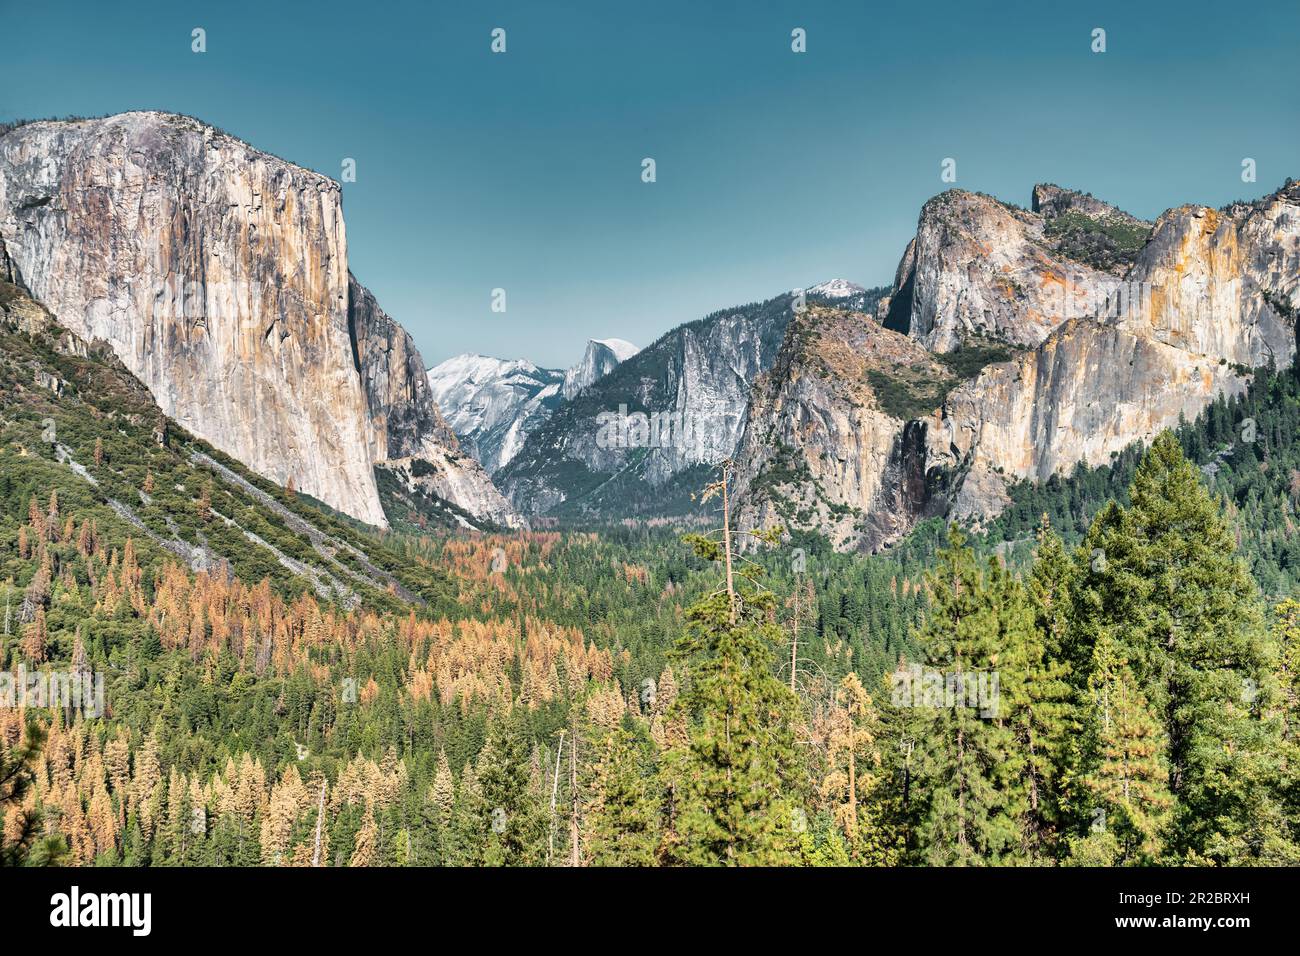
[219, 276]
[1064, 334]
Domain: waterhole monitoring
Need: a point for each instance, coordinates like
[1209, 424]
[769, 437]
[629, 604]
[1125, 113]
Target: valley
[349, 610]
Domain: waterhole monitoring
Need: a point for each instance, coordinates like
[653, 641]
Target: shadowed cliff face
[219, 275]
[827, 444]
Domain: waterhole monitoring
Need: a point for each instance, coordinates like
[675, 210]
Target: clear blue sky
[775, 170]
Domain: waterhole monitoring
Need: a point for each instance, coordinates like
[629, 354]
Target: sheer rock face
[406, 427]
[600, 358]
[695, 381]
[219, 275]
[819, 450]
[1212, 293]
[1209, 295]
[1086, 392]
[980, 269]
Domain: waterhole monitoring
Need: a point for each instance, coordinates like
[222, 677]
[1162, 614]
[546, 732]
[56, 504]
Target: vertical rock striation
[406, 426]
[219, 275]
[1176, 315]
[695, 381]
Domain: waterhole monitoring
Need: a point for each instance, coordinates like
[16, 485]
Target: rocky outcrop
[219, 275]
[600, 358]
[494, 404]
[1052, 202]
[980, 269]
[407, 432]
[823, 447]
[1209, 295]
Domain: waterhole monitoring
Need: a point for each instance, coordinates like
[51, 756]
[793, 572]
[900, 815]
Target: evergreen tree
[1127, 787]
[1163, 579]
[1034, 688]
[16, 778]
[470, 821]
[735, 778]
[437, 812]
[621, 819]
[902, 800]
[970, 767]
[517, 822]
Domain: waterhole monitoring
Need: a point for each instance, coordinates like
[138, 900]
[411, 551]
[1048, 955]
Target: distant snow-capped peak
[835, 289]
[622, 349]
[492, 403]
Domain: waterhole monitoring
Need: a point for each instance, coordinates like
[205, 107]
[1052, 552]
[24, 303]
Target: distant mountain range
[493, 404]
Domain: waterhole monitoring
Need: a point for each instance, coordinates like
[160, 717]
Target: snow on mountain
[836, 289]
[491, 404]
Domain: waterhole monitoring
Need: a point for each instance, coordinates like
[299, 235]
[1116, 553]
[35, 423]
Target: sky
[774, 170]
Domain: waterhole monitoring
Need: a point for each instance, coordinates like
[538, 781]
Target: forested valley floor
[1107, 674]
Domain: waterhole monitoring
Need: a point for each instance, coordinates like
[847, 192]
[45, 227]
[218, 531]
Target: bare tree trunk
[320, 819]
[574, 854]
[794, 640]
[726, 537]
[853, 786]
[555, 792]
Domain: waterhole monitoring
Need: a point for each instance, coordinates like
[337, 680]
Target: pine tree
[902, 732]
[1127, 789]
[438, 810]
[1163, 578]
[366, 850]
[516, 816]
[35, 637]
[470, 821]
[1286, 636]
[16, 778]
[970, 767]
[735, 779]
[852, 783]
[736, 773]
[1034, 688]
[621, 818]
